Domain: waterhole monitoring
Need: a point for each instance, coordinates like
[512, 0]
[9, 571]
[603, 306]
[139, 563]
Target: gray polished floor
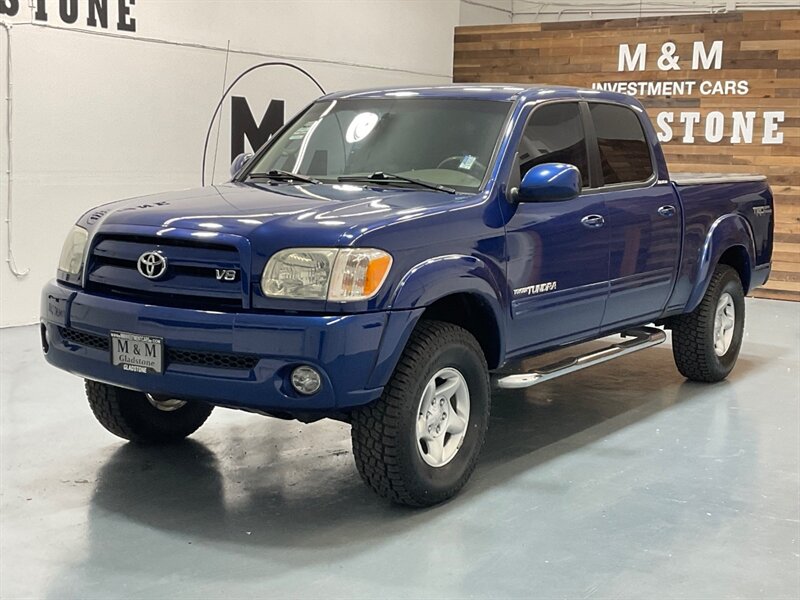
[621, 481]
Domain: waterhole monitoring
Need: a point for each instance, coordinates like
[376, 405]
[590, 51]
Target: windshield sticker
[301, 132]
[361, 126]
[467, 162]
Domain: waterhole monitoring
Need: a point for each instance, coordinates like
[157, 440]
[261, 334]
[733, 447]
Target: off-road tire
[693, 333]
[383, 432]
[131, 416]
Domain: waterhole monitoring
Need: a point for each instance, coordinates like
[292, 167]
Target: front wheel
[144, 418]
[706, 342]
[418, 444]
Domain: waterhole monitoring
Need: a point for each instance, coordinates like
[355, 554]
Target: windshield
[447, 142]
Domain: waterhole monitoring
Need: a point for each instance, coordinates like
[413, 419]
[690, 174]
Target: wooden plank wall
[760, 47]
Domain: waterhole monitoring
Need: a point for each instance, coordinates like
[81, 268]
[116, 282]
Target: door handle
[593, 221]
[667, 210]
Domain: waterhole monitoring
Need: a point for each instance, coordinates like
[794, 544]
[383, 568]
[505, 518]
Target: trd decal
[762, 210]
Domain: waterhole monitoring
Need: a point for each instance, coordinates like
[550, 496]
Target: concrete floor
[621, 481]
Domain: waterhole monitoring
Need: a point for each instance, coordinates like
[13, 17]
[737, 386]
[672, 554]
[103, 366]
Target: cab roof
[508, 92]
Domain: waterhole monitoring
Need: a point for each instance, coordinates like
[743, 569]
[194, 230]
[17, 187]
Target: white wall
[525, 11]
[100, 114]
[480, 12]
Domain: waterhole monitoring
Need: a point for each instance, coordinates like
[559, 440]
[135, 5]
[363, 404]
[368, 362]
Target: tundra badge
[538, 288]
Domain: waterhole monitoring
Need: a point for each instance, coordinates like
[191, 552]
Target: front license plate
[137, 353]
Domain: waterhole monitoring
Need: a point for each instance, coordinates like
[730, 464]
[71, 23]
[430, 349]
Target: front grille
[190, 280]
[167, 299]
[177, 356]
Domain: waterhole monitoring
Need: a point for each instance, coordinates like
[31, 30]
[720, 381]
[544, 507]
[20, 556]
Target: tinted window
[624, 153]
[554, 134]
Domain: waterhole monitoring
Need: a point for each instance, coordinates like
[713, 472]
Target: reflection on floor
[622, 480]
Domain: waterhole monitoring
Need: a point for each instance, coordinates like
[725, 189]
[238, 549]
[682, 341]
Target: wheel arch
[472, 312]
[738, 258]
[730, 242]
[457, 289]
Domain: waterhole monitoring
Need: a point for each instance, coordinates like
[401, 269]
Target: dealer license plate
[137, 353]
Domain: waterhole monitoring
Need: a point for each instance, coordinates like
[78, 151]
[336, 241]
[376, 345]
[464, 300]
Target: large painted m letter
[243, 124]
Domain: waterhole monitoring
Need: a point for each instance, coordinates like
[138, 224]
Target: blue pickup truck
[389, 256]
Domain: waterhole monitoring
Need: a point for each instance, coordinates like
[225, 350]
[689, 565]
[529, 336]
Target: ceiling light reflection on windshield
[360, 127]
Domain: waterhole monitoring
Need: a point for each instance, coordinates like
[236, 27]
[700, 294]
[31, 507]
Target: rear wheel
[144, 418]
[706, 342]
[418, 444]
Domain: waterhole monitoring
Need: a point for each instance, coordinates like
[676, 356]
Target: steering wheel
[475, 164]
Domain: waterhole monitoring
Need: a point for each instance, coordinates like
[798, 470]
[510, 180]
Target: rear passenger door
[643, 217]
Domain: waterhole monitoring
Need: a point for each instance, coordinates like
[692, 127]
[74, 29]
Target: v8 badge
[226, 274]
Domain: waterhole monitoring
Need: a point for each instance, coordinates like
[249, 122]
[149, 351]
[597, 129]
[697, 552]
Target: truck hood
[243, 208]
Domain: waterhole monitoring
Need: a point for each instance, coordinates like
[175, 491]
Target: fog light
[306, 380]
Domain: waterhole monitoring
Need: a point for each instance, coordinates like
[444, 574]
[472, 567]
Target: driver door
[558, 251]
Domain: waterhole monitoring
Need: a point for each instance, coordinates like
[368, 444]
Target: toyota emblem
[152, 265]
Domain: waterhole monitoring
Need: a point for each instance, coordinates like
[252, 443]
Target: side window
[624, 152]
[554, 133]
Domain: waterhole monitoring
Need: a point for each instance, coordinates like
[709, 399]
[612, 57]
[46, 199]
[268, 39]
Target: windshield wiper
[381, 177]
[279, 175]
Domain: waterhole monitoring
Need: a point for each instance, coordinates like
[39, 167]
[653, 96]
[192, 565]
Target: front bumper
[355, 354]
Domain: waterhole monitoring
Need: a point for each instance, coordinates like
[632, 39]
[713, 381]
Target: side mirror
[239, 162]
[549, 182]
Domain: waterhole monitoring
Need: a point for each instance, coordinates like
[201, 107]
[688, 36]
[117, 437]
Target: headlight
[299, 273]
[71, 261]
[339, 275]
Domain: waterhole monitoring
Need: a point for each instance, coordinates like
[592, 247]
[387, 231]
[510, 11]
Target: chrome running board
[641, 338]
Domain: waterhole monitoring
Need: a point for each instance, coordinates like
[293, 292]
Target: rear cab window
[622, 145]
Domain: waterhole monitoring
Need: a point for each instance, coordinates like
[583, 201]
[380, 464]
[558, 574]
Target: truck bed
[704, 178]
[736, 209]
